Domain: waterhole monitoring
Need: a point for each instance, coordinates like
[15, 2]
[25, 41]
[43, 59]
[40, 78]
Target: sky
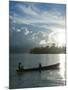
[33, 24]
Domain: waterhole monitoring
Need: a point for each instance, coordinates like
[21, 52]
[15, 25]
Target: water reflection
[55, 74]
[31, 79]
[62, 65]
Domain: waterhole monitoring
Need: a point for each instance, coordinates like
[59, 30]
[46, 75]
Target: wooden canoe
[49, 67]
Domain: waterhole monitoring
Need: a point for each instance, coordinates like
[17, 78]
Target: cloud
[48, 21]
[42, 42]
[32, 14]
[39, 36]
[26, 32]
[18, 30]
[27, 10]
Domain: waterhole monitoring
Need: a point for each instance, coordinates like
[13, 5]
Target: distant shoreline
[48, 50]
[40, 50]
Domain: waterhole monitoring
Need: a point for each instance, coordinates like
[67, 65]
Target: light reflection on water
[62, 65]
[34, 79]
[55, 75]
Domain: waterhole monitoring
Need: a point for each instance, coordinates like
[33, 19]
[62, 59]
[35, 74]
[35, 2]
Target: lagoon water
[46, 78]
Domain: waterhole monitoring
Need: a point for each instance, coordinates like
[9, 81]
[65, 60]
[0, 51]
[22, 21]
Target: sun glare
[59, 38]
[62, 65]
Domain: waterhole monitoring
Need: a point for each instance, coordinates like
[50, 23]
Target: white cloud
[53, 20]
[48, 20]
[39, 36]
[42, 42]
[28, 10]
[18, 30]
[26, 32]
[32, 16]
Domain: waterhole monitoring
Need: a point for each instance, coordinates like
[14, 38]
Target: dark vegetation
[39, 50]
[48, 50]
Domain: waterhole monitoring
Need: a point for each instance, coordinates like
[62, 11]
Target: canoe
[49, 67]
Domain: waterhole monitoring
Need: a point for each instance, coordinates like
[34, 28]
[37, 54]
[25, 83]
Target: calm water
[37, 79]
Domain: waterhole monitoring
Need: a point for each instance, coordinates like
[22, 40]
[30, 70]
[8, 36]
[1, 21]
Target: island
[53, 49]
[48, 50]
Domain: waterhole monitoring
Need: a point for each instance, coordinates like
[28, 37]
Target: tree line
[48, 50]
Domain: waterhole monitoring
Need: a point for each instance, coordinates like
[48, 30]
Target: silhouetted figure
[40, 67]
[19, 66]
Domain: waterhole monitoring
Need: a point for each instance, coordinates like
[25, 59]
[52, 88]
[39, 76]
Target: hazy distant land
[40, 50]
[48, 50]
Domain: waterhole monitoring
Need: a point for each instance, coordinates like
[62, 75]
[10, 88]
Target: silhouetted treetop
[46, 50]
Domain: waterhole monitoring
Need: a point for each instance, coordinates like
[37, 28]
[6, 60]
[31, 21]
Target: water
[36, 79]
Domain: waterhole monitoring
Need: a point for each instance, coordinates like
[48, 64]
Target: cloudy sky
[36, 24]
